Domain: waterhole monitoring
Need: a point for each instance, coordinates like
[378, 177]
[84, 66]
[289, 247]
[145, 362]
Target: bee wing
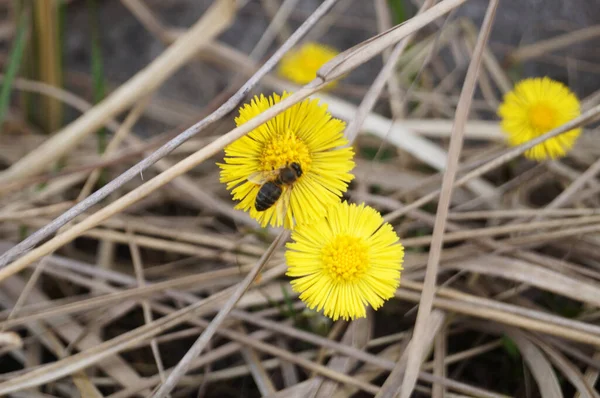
[261, 177]
[283, 204]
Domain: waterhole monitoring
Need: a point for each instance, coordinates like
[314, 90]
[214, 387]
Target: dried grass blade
[340, 348]
[462, 112]
[568, 369]
[138, 267]
[124, 129]
[585, 118]
[357, 335]
[534, 275]
[11, 339]
[566, 196]
[394, 381]
[591, 375]
[440, 352]
[539, 48]
[355, 56]
[396, 133]
[257, 370]
[539, 366]
[509, 314]
[199, 345]
[300, 390]
[375, 89]
[213, 22]
[101, 351]
[69, 330]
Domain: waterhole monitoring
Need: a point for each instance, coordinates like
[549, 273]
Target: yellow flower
[345, 261]
[301, 65]
[534, 107]
[304, 134]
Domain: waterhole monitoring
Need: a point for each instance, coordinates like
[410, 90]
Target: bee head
[296, 167]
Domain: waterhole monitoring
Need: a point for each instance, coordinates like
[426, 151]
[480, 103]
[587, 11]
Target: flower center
[284, 149]
[346, 258]
[541, 117]
[312, 64]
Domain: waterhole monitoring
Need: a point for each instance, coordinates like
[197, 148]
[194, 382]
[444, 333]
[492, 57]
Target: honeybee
[273, 184]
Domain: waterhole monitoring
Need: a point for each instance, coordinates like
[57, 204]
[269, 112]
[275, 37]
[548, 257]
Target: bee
[273, 186]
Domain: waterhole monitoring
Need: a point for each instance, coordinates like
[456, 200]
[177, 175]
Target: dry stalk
[494, 311]
[393, 382]
[416, 351]
[567, 196]
[545, 46]
[568, 369]
[504, 229]
[83, 359]
[277, 23]
[384, 22]
[355, 56]
[382, 78]
[539, 365]
[440, 351]
[198, 346]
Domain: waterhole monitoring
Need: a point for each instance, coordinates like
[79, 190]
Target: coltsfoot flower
[345, 261]
[534, 107]
[301, 65]
[307, 142]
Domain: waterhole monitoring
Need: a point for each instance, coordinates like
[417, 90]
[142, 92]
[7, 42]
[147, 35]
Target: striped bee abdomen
[268, 194]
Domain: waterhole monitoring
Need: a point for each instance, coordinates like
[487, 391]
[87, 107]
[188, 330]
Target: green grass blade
[62, 31]
[99, 87]
[399, 14]
[98, 81]
[14, 63]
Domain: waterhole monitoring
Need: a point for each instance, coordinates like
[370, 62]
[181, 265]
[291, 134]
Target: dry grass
[500, 295]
